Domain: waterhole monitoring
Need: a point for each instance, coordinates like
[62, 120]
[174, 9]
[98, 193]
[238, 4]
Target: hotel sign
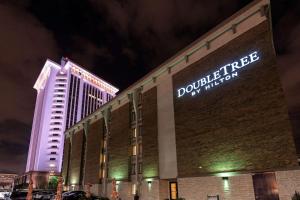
[218, 77]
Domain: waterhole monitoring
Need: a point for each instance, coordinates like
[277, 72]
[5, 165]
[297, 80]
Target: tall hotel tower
[66, 93]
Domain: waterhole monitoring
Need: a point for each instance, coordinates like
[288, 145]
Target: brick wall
[66, 161]
[157, 190]
[288, 182]
[241, 125]
[149, 133]
[94, 147]
[76, 153]
[119, 144]
[124, 190]
[237, 187]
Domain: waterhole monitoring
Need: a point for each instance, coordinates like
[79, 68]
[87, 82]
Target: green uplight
[150, 172]
[226, 174]
[223, 162]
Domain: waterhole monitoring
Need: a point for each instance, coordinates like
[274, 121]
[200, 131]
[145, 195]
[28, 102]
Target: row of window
[57, 109]
[137, 145]
[92, 99]
[133, 168]
[133, 115]
[73, 101]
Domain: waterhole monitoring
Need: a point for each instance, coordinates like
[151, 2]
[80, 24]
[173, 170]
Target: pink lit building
[66, 93]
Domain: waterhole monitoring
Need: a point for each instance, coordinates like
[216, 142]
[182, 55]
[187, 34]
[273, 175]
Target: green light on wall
[149, 172]
[224, 162]
[118, 175]
[226, 174]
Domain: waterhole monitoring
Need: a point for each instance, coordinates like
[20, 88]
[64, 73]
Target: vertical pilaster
[82, 174]
[106, 116]
[134, 99]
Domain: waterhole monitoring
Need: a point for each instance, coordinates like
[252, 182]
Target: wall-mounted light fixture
[226, 183]
[149, 184]
[118, 185]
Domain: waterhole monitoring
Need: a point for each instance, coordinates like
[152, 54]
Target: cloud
[286, 36]
[161, 28]
[85, 52]
[14, 140]
[25, 46]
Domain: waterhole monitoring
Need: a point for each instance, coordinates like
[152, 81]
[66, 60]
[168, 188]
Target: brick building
[211, 122]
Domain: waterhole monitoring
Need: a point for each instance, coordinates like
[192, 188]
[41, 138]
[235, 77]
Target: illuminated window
[134, 150]
[173, 190]
[134, 132]
[103, 173]
[133, 189]
[104, 158]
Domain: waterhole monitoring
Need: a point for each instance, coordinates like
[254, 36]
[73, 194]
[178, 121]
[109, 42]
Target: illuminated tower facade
[66, 93]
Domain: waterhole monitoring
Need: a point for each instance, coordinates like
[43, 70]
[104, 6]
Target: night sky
[118, 40]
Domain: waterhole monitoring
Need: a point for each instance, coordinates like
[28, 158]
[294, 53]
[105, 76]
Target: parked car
[73, 195]
[45, 195]
[18, 195]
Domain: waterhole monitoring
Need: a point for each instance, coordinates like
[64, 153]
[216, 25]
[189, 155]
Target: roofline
[210, 36]
[51, 63]
[201, 38]
[100, 79]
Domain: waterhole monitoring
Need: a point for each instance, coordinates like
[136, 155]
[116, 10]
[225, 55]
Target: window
[140, 113]
[57, 112]
[133, 189]
[56, 117]
[59, 95]
[57, 106]
[140, 149]
[132, 116]
[134, 150]
[55, 129]
[140, 130]
[132, 168]
[140, 97]
[54, 147]
[134, 132]
[59, 85]
[61, 80]
[55, 123]
[53, 152]
[103, 173]
[173, 190]
[52, 158]
[140, 168]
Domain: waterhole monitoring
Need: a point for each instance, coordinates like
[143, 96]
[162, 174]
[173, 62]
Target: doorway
[265, 186]
[173, 190]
